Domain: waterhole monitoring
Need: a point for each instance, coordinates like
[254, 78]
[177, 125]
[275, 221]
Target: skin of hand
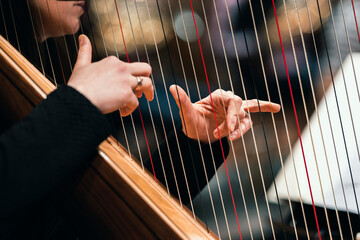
[109, 84]
[192, 114]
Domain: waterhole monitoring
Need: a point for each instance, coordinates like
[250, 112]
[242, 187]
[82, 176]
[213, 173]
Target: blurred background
[162, 32]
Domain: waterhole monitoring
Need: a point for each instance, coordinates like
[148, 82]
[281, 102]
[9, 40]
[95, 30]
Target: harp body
[114, 197]
[280, 168]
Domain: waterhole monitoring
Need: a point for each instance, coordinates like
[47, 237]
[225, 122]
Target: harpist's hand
[227, 108]
[109, 84]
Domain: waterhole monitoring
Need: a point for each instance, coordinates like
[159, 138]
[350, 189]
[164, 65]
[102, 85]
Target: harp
[291, 51]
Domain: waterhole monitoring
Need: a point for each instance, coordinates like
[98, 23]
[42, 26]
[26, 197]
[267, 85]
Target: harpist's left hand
[231, 114]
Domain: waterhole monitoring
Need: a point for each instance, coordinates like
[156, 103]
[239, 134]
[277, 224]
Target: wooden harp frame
[115, 185]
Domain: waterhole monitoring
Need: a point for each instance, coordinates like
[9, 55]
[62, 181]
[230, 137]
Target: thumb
[84, 55]
[181, 98]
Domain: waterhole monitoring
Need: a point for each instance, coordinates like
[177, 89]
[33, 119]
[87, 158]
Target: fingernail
[233, 135]
[232, 125]
[80, 39]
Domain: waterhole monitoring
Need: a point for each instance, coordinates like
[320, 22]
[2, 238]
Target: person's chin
[73, 27]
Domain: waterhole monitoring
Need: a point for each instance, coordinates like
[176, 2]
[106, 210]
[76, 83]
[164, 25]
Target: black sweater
[57, 140]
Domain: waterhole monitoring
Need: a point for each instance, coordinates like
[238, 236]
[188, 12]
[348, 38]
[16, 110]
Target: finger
[181, 98]
[138, 93]
[139, 69]
[234, 111]
[146, 87]
[84, 55]
[253, 106]
[222, 129]
[243, 127]
[130, 106]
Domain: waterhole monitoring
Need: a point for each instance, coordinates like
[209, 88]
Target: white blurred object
[330, 151]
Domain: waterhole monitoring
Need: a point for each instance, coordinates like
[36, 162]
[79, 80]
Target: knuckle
[148, 69]
[122, 67]
[112, 59]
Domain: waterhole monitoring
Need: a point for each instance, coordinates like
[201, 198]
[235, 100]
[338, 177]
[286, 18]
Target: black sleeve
[48, 147]
[169, 155]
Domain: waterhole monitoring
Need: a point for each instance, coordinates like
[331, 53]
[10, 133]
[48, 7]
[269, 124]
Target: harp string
[190, 53]
[243, 142]
[35, 35]
[131, 117]
[46, 45]
[199, 95]
[327, 110]
[171, 114]
[217, 127]
[318, 117]
[252, 79]
[356, 23]
[150, 112]
[231, 141]
[3, 17]
[158, 105]
[181, 112]
[106, 53]
[342, 71]
[337, 103]
[73, 36]
[252, 130]
[14, 24]
[56, 46]
[65, 42]
[92, 33]
[307, 120]
[272, 116]
[269, 99]
[297, 123]
[285, 121]
[348, 42]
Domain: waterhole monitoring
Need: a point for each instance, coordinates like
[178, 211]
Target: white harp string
[171, 114]
[35, 36]
[14, 24]
[3, 18]
[349, 45]
[65, 42]
[252, 129]
[260, 217]
[208, 137]
[343, 74]
[272, 117]
[328, 114]
[237, 107]
[243, 142]
[347, 98]
[158, 105]
[105, 49]
[148, 105]
[131, 116]
[318, 118]
[203, 115]
[46, 45]
[284, 117]
[307, 120]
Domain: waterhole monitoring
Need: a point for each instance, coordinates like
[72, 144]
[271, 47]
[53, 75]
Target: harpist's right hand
[110, 84]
